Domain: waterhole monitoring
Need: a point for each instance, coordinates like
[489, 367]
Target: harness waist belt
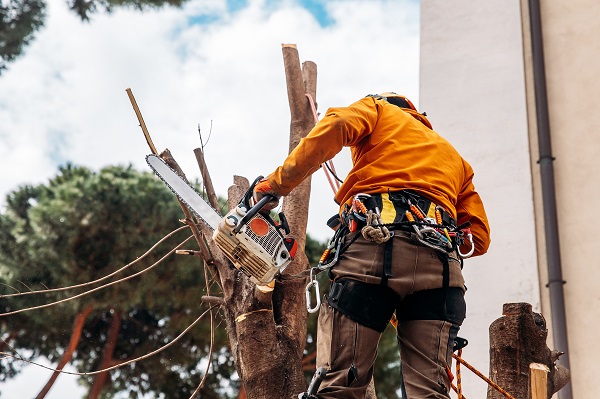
[401, 201]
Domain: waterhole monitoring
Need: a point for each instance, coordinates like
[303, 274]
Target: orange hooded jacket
[391, 150]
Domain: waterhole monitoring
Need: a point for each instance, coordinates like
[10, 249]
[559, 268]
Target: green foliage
[19, 20]
[85, 8]
[387, 365]
[82, 226]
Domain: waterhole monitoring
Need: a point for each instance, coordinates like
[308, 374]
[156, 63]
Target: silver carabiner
[470, 237]
[313, 283]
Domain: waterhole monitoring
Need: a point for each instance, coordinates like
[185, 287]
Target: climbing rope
[458, 377]
[374, 230]
[327, 166]
[458, 388]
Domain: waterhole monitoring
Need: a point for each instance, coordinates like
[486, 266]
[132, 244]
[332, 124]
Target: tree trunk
[516, 340]
[107, 356]
[267, 331]
[75, 336]
[4, 343]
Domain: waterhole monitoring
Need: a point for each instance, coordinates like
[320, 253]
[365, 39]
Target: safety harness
[433, 227]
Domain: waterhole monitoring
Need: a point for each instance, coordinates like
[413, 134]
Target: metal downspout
[555, 279]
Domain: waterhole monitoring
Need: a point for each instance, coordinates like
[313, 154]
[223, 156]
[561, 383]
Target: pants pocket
[324, 336]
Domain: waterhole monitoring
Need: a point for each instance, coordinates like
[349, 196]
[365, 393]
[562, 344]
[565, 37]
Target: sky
[212, 65]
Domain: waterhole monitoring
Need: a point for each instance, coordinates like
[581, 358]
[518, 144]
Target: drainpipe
[555, 280]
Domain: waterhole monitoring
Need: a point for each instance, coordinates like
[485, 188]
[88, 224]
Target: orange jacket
[391, 150]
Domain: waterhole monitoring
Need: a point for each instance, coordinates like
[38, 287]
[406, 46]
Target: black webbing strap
[444, 258]
[387, 260]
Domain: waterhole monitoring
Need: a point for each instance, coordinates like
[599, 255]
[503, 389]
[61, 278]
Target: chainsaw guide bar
[185, 192]
[252, 241]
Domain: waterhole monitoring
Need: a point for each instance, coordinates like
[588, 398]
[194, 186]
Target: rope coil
[374, 230]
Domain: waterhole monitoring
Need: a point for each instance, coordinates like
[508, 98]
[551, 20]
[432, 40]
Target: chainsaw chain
[181, 198]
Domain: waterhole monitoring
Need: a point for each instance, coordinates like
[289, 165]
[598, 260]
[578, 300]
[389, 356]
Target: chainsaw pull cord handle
[312, 282]
[253, 211]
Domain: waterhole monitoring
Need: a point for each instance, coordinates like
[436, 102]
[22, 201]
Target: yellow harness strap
[388, 212]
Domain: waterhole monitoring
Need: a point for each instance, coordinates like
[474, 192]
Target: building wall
[476, 85]
[571, 35]
[472, 86]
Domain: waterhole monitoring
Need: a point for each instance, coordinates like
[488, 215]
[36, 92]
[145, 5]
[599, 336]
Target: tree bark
[516, 340]
[267, 331]
[4, 343]
[270, 330]
[107, 356]
[74, 340]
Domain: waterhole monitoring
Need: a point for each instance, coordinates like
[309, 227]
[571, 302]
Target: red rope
[333, 183]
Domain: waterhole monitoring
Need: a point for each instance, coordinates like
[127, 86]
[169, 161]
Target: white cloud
[65, 99]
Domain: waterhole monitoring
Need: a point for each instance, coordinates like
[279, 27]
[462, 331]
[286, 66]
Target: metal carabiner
[313, 283]
[470, 238]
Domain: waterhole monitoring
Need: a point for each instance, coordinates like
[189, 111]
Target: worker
[399, 164]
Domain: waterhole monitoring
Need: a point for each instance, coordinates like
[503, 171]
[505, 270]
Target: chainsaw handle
[253, 211]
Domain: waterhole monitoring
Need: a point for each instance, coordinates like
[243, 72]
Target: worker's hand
[261, 189]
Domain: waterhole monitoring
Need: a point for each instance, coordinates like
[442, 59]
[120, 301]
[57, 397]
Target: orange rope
[458, 377]
[456, 390]
[483, 377]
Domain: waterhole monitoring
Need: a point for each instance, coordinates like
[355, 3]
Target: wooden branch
[213, 300]
[107, 355]
[141, 121]
[188, 252]
[236, 191]
[207, 181]
[78, 324]
[301, 113]
[538, 376]
[295, 205]
[189, 220]
[309, 75]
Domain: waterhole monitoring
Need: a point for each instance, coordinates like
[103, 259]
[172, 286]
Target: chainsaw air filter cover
[258, 250]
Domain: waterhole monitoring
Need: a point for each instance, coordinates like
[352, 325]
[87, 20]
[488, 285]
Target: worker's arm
[469, 208]
[340, 127]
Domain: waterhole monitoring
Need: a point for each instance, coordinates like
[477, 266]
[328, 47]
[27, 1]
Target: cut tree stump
[517, 340]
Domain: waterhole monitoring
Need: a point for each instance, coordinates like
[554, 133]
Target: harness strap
[444, 258]
[387, 261]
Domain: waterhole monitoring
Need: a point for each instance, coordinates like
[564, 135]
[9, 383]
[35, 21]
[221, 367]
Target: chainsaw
[250, 239]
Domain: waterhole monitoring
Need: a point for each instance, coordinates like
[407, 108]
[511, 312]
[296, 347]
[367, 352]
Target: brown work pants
[348, 349]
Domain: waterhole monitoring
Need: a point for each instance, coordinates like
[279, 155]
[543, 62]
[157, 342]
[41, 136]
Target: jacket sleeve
[469, 208]
[339, 127]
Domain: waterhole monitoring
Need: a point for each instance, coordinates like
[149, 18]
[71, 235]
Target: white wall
[472, 87]
[571, 35]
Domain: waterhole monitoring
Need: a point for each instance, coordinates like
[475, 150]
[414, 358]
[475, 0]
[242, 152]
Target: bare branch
[206, 179]
[100, 287]
[214, 300]
[137, 359]
[48, 290]
[189, 220]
